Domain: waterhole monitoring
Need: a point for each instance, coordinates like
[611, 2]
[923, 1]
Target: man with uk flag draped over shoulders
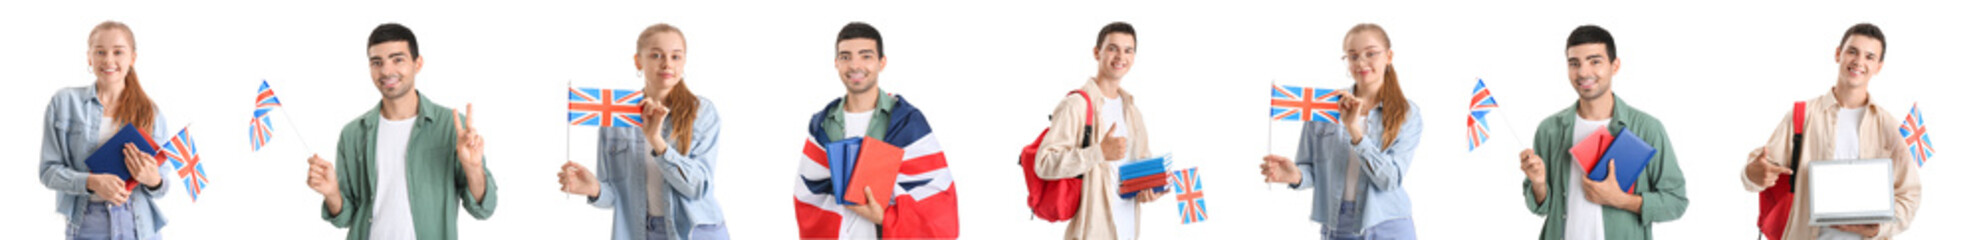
[923, 201]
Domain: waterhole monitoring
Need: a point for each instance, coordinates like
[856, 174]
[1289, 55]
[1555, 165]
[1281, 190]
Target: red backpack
[1055, 200]
[1774, 202]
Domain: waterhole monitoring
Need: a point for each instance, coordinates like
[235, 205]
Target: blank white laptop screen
[1851, 191]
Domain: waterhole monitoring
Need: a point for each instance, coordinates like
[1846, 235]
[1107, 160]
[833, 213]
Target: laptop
[1857, 191]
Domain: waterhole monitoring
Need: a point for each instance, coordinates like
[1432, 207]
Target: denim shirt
[69, 135]
[624, 156]
[1324, 156]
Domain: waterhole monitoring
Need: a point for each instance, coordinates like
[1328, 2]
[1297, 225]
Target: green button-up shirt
[1662, 187]
[836, 121]
[435, 181]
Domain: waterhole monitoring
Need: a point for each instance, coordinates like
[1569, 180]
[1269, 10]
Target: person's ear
[883, 63]
[1389, 56]
[417, 63]
[1838, 54]
[636, 61]
[1615, 64]
[1097, 52]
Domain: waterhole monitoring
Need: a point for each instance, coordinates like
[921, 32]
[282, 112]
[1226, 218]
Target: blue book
[1145, 167]
[1631, 153]
[840, 158]
[109, 158]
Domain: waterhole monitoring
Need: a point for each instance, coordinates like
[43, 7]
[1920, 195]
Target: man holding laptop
[1841, 132]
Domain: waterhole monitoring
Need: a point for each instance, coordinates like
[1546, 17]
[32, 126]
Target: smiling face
[1859, 58]
[111, 54]
[1367, 57]
[859, 61]
[393, 67]
[1590, 70]
[1115, 55]
[661, 58]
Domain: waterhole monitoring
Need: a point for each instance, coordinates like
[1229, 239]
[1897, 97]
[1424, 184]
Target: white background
[1720, 74]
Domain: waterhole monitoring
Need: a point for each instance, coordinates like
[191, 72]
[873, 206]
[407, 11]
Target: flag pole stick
[292, 129]
[1270, 128]
[567, 130]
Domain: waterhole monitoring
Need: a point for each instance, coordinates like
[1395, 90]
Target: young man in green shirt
[1580, 208]
[415, 161]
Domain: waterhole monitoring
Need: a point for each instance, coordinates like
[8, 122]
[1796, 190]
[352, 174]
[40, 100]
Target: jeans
[658, 228]
[1351, 220]
[100, 220]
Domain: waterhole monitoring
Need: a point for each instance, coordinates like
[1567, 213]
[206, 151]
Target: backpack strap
[1796, 142]
[1088, 120]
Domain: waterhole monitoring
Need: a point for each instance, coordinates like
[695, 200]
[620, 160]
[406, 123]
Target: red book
[1587, 152]
[1145, 183]
[874, 170]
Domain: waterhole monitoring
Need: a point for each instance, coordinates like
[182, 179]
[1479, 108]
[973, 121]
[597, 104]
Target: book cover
[1631, 154]
[875, 170]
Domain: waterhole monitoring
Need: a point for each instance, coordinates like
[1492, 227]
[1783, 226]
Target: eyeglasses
[1363, 56]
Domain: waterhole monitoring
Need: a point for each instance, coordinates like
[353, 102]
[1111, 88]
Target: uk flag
[1295, 103]
[605, 107]
[1915, 133]
[186, 158]
[1483, 103]
[1190, 195]
[260, 129]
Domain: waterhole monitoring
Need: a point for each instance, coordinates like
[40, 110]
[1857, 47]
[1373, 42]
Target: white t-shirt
[1845, 143]
[857, 123]
[1583, 219]
[392, 212]
[1125, 209]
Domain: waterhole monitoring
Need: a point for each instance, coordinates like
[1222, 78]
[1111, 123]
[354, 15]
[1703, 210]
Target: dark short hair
[1115, 27]
[391, 32]
[1868, 30]
[1588, 34]
[855, 30]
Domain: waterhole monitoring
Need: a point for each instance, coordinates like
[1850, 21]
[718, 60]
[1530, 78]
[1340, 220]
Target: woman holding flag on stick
[1357, 164]
[79, 121]
[656, 177]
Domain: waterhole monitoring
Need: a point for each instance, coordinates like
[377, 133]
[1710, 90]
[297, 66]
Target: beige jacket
[1061, 156]
[1879, 138]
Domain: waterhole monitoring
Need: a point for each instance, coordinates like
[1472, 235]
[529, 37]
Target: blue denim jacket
[623, 158]
[1323, 157]
[69, 134]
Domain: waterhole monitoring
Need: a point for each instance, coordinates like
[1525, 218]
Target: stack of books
[1147, 174]
[863, 163]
